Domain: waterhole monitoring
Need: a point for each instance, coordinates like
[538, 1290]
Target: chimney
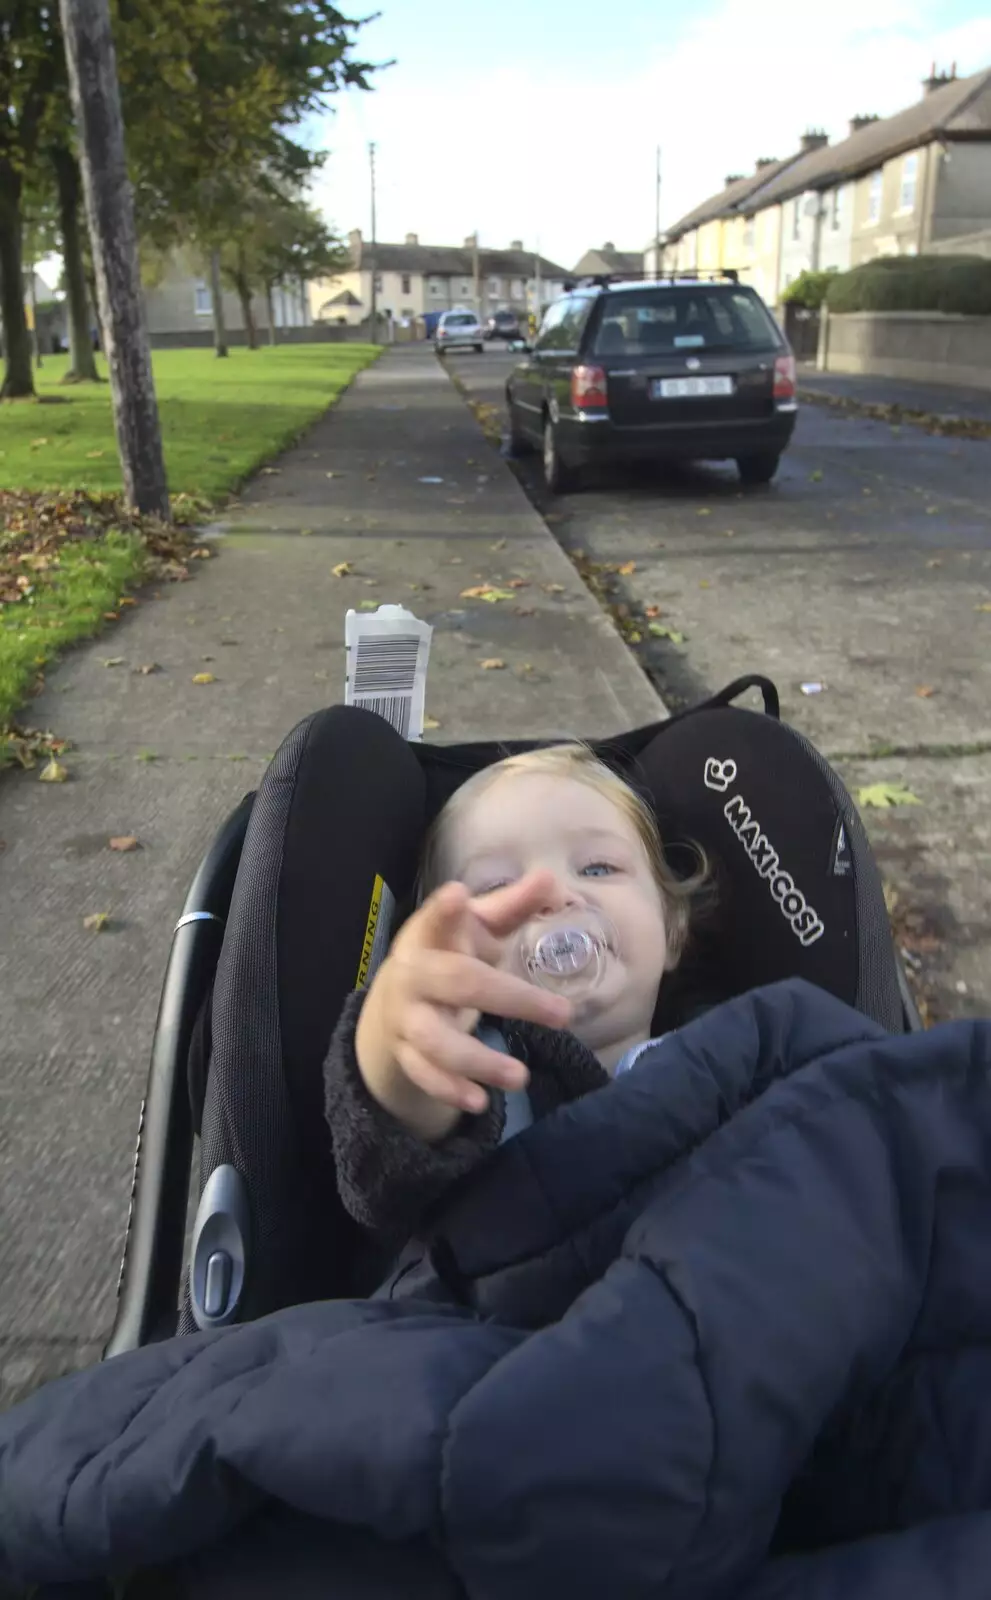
[412, 238]
[731, 178]
[516, 244]
[937, 80]
[471, 241]
[608, 245]
[765, 161]
[812, 139]
[856, 123]
[355, 241]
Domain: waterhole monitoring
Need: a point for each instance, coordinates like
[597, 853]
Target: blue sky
[539, 119]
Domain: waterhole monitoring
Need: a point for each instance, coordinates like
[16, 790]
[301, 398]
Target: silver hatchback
[460, 330]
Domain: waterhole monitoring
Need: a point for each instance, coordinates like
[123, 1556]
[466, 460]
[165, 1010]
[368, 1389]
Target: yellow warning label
[369, 943]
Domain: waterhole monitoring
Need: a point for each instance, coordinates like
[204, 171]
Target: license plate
[689, 388]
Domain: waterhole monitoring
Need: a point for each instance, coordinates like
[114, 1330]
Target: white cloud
[534, 153]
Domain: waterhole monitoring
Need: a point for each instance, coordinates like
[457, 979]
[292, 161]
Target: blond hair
[581, 764]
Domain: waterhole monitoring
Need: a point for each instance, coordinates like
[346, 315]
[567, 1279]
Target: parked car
[460, 330]
[686, 368]
[503, 325]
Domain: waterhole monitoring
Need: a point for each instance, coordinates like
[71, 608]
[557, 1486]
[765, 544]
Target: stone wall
[922, 346]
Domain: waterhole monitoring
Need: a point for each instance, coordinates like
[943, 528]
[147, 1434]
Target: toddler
[417, 1090]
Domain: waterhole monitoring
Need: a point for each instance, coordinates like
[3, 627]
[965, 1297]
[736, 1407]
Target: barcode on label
[395, 708]
[384, 666]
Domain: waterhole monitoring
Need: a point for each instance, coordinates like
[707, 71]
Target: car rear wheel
[558, 476]
[480, 349]
[758, 469]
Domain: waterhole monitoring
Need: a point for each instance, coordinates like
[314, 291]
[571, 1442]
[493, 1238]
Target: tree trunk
[82, 363]
[217, 303]
[247, 315]
[18, 381]
[270, 307]
[92, 70]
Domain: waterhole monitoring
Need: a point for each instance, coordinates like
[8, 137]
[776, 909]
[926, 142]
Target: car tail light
[588, 388]
[785, 378]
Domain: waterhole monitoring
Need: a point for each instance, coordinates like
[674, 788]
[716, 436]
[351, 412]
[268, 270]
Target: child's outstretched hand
[414, 1041]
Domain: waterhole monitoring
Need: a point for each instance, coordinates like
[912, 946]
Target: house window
[435, 287]
[467, 288]
[749, 233]
[203, 298]
[518, 290]
[910, 173]
[493, 288]
[796, 218]
[378, 283]
[407, 283]
[874, 197]
[836, 209]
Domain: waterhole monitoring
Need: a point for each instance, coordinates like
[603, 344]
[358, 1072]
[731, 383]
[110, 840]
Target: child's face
[527, 820]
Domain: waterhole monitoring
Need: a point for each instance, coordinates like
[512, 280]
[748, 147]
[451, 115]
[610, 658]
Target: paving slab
[165, 759]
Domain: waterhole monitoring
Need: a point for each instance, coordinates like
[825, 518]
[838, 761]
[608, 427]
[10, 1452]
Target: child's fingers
[439, 923]
[505, 910]
[447, 978]
[459, 1054]
[462, 1093]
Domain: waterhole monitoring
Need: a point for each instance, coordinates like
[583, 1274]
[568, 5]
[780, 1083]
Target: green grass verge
[90, 579]
[220, 419]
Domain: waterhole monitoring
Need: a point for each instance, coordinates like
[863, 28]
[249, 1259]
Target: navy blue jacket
[719, 1331]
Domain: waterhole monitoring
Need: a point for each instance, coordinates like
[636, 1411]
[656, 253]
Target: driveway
[863, 569]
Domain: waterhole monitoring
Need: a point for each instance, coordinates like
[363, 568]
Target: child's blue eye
[598, 869]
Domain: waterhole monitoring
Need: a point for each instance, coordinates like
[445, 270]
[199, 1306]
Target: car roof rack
[609, 280]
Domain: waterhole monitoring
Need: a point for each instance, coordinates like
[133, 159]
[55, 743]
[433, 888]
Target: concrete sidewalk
[162, 758]
[939, 400]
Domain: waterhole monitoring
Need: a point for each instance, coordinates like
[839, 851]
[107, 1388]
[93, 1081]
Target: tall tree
[92, 69]
[82, 362]
[28, 76]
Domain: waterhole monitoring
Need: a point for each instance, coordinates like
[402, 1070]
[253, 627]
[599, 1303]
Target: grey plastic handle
[221, 1237]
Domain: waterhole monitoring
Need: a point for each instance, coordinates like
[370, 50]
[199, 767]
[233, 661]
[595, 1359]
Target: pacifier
[567, 953]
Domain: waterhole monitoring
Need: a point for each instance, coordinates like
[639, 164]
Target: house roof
[449, 261]
[608, 259]
[960, 109]
[732, 197]
[345, 298]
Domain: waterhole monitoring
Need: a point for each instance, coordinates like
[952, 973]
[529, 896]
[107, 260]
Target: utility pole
[657, 216]
[93, 88]
[536, 273]
[476, 275]
[375, 297]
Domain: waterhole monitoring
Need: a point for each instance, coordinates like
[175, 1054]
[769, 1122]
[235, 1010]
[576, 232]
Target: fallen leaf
[125, 843]
[525, 667]
[304, 533]
[925, 691]
[97, 921]
[884, 795]
[431, 723]
[208, 658]
[627, 569]
[932, 511]
[985, 606]
[126, 600]
[704, 583]
[147, 668]
[867, 491]
[552, 588]
[729, 533]
[524, 611]
[146, 755]
[342, 569]
[94, 455]
[368, 605]
[652, 611]
[483, 592]
[935, 562]
[703, 511]
[518, 583]
[658, 631]
[500, 544]
[491, 664]
[113, 661]
[36, 443]
[204, 677]
[111, 616]
[271, 472]
[815, 477]
[53, 772]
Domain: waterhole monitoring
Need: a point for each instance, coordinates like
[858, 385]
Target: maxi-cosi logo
[806, 924]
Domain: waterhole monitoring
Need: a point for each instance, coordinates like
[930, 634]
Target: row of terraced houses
[919, 181]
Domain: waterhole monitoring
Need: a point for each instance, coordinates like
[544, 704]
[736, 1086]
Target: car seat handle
[752, 680]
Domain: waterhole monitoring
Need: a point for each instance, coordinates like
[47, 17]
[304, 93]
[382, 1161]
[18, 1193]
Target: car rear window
[669, 321]
[463, 321]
